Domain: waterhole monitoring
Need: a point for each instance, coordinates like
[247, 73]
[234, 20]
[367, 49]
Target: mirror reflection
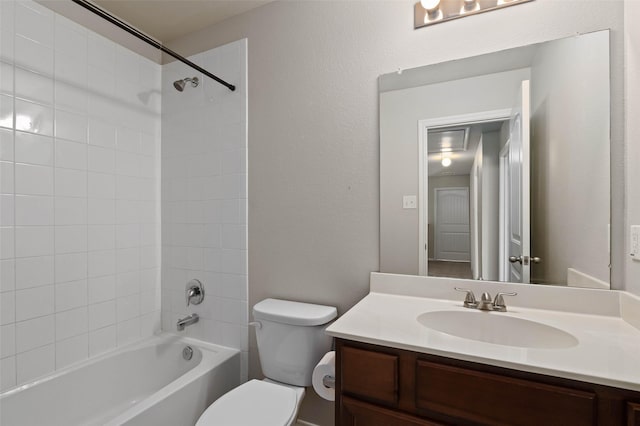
[496, 167]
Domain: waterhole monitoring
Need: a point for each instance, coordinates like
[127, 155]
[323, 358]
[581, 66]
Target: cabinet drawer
[360, 413]
[498, 400]
[370, 375]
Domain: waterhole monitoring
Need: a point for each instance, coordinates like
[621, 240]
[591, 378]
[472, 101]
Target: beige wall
[570, 171]
[632, 99]
[313, 128]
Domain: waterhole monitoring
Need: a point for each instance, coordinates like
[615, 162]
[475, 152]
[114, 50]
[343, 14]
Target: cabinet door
[358, 413]
[633, 414]
[370, 375]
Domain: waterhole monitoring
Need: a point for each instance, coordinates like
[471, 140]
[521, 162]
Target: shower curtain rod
[137, 33]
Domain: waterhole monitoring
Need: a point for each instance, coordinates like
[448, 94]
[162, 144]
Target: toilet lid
[253, 403]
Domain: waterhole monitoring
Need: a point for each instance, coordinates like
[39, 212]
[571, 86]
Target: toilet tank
[291, 338]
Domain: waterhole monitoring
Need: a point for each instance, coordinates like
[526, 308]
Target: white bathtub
[148, 383]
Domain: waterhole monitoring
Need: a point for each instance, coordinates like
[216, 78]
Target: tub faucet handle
[194, 292]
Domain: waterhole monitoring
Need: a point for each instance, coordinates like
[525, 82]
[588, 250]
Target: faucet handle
[498, 302]
[470, 299]
[194, 292]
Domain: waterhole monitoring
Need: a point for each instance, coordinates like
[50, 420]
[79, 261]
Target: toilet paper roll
[326, 367]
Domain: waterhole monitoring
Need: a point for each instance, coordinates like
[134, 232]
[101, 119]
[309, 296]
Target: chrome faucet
[188, 320]
[485, 303]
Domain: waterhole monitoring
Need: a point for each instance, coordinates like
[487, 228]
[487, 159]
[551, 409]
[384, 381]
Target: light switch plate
[634, 242]
[409, 202]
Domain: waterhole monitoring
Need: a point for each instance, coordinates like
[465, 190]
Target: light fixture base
[454, 9]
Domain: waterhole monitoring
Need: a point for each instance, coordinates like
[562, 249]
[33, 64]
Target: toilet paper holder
[329, 381]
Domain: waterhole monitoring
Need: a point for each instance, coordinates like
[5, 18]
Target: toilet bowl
[291, 341]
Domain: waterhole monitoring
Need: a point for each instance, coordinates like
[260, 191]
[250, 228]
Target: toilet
[291, 341]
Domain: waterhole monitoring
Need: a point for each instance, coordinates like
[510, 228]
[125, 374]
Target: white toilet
[291, 341]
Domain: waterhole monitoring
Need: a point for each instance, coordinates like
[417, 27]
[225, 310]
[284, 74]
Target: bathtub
[148, 383]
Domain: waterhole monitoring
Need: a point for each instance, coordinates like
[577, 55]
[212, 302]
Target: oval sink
[491, 327]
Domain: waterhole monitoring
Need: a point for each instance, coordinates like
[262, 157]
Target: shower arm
[137, 33]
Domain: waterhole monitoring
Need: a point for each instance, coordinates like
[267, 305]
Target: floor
[440, 268]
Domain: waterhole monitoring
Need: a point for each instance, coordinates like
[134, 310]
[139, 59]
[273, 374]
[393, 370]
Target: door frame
[435, 217]
[503, 239]
[424, 126]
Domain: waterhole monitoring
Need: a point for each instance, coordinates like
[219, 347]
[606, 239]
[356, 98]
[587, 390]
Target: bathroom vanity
[393, 367]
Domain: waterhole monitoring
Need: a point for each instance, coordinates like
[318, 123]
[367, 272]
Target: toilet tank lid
[293, 313]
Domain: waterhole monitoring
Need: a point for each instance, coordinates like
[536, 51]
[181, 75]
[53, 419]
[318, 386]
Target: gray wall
[569, 151]
[313, 129]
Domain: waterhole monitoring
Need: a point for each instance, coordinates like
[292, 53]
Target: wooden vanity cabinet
[377, 385]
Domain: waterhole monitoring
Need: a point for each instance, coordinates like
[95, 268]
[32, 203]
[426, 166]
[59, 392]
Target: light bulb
[446, 161]
[430, 5]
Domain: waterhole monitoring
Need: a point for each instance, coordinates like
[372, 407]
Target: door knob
[514, 259]
[536, 260]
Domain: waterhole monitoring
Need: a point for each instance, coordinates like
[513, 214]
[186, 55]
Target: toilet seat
[256, 402]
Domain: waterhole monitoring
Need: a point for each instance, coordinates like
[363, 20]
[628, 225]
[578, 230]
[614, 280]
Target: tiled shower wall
[204, 197]
[79, 156]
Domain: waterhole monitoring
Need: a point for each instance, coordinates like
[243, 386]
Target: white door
[518, 182]
[452, 224]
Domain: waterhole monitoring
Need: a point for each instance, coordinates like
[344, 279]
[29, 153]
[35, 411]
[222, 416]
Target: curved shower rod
[142, 36]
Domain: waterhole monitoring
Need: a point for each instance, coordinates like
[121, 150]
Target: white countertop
[607, 353]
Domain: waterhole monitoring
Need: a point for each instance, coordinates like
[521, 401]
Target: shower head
[179, 84]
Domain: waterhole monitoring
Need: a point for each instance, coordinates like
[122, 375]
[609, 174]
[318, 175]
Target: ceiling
[461, 160]
[167, 20]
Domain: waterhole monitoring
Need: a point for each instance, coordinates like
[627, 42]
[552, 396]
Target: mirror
[496, 167]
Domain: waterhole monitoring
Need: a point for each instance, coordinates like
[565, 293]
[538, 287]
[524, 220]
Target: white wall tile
[102, 212]
[72, 350]
[102, 289]
[35, 363]
[34, 56]
[7, 340]
[71, 126]
[102, 134]
[70, 97]
[102, 237]
[71, 155]
[71, 239]
[70, 267]
[34, 271]
[70, 211]
[6, 176]
[7, 242]
[34, 180]
[33, 86]
[34, 241]
[128, 284]
[8, 305]
[6, 144]
[35, 23]
[33, 210]
[102, 159]
[128, 307]
[6, 78]
[102, 340]
[70, 183]
[8, 376]
[34, 302]
[102, 185]
[7, 275]
[34, 118]
[71, 323]
[128, 331]
[102, 263]
[71, 295]
[7, 210]
[34, 333]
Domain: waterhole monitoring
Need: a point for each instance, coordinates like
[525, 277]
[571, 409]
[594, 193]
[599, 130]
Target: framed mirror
[496, 167]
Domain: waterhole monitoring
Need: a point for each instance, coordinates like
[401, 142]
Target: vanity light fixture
[429, 12]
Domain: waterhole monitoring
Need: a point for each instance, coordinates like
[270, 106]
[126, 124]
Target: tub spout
[183, 322]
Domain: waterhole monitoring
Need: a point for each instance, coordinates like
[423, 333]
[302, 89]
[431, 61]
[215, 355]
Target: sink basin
[493, 327]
